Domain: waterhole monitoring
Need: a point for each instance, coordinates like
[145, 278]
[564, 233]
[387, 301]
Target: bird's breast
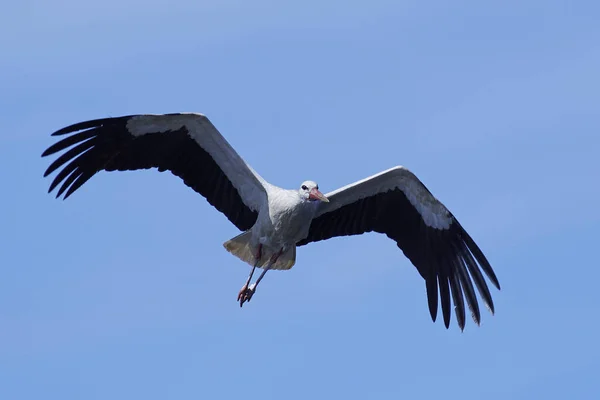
[283, 225]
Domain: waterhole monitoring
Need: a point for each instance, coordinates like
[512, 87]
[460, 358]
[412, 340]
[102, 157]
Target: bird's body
[275, 221]
[285, 221]
[289, 217]
[282, 222]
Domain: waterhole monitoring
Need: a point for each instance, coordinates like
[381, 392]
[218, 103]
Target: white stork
[274, 221]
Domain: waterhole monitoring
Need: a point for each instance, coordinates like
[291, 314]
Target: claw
[246, 293]
[242, 292]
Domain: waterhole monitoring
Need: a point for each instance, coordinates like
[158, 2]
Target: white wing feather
[433, 212]
[248, 182]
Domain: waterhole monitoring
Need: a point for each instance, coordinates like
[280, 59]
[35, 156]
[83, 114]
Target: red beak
[316, 195]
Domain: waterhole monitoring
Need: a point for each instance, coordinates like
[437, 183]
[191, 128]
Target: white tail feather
[240, 247]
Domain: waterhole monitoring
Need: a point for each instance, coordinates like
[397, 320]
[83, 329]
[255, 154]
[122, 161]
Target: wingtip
[71, 190]
[491, 275]
[433, 315]
[69, 129]
[460, 321]
[62, 131]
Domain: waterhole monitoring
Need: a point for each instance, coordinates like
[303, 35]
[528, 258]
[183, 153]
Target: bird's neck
[308, 206]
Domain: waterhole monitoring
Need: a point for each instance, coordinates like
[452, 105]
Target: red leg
[244, 290]
[273, 260]
[249, 290]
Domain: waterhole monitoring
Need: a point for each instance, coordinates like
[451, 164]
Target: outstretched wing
[396, 203]
[186, 144]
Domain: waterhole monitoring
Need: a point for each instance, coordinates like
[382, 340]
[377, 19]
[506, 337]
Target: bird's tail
[240, 247]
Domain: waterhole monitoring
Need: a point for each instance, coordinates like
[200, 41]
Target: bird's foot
[246, 293]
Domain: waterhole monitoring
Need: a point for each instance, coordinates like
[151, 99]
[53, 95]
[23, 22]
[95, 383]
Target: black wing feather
[106, 144]
[443, 276]
[458, 299]
[443, 257]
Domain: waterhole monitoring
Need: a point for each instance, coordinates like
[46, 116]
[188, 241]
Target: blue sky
[124, 290]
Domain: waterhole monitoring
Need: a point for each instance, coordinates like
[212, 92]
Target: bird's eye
[304, 187]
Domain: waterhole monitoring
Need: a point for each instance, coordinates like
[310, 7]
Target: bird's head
[309, 191]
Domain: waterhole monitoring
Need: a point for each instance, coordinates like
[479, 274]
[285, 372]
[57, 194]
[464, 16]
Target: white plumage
[275, 221]
[434, 214]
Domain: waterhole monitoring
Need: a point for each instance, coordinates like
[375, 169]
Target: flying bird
[274, 221]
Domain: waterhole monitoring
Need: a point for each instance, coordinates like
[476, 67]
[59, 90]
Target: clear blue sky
[124, 290]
